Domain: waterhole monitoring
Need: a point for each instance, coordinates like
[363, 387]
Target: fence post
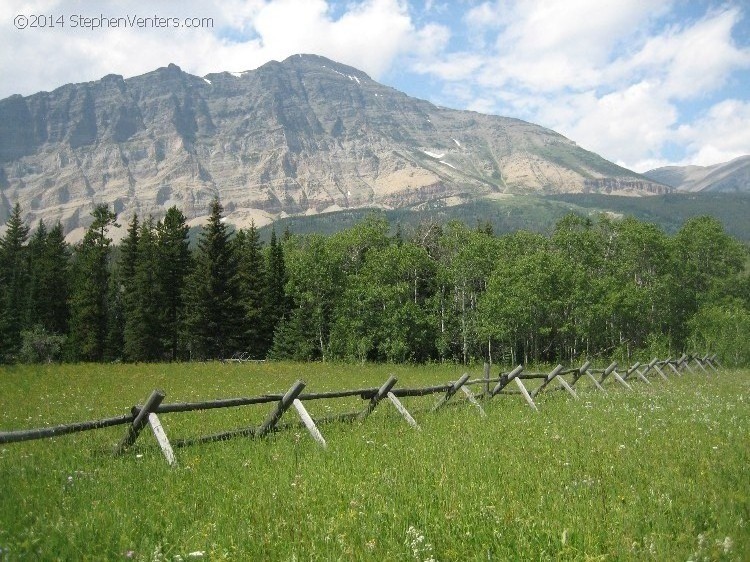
[608, 371]
[671, 363]
[140, 421]
[658, 370]
[505, 379]
[379, 395]
[525, 393]
[309, 422]
[451, 391]
[470, 395]
[547, 380]
[281, 407]
[161, 437]
[700, 364]
[401, 410]
[487, 379]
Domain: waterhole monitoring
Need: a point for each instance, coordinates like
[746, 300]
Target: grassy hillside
[540, 213]
[657, 473]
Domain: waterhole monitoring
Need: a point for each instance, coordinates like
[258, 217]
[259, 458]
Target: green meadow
[658, 473]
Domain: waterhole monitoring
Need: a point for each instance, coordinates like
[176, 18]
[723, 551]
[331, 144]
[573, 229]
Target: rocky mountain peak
[302, 136]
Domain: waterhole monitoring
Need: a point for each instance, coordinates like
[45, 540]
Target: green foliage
[722, 328]
[214, 312]
[40, 346]
[14, 275]
[88, 304]
[173, 265]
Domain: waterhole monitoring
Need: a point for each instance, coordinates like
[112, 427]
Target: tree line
[592, 288]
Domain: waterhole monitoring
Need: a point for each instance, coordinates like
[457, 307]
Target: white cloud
[614, 80]
[721, 135]
[368, 34]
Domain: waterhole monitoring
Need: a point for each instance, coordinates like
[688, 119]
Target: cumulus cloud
[615, 80]
[368, 34]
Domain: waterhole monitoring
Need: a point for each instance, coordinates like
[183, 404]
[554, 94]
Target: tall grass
[659, 473]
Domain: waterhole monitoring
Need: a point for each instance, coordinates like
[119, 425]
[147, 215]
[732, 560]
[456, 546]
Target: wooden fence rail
[294, 397]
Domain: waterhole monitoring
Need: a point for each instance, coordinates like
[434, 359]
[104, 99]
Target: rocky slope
[302, 136]
[732, 176]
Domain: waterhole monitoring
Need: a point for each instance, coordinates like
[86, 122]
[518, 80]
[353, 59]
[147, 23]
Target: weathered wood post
[309, 423]
[161, 437]
[470, 395]
[710, 362]
[402, 410]
[505, 379]
[487, 380]
[140, 421]
[700, 364]
[670, 362]
[654, 364]
[619, 379]
[547, 380]
[608, 371]
[526, 395]
[379, 395]
[451, 391]
[658, 370]
[631, 370]
[282, 406]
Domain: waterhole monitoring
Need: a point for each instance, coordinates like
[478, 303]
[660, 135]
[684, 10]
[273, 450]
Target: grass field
[660, 473]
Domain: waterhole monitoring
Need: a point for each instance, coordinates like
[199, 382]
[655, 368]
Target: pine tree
[14, 275]
[88, 304]
[47, 306]
[215, 315]
[173, 264]
[56, 281]
[121, 291]
[252, 276]
[142, 335]
[276, 302]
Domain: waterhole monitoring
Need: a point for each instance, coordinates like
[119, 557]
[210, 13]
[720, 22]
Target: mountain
[302, 136]
[732, 176]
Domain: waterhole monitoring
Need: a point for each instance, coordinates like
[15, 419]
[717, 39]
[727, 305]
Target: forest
[593, 288]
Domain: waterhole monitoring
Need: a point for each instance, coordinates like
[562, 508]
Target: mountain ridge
[303, 136]
[731, 176]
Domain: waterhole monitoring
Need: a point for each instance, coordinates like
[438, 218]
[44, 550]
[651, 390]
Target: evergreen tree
[173, 266]
[252, 277]
[88, 304]
[215, 315]
[142, 335]
[14, 276]
[276, 301]
[48, 283]
[121, 290]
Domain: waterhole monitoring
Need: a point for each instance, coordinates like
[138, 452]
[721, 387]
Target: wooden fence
[148, 413]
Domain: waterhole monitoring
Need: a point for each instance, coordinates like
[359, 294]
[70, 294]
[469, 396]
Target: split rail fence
[148, 413]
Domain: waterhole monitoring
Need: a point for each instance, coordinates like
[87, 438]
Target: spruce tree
[215, 315]
[14, 275]
[88, 322]
[276, 301]
[252, 282]
[47, 308]
[173, 265]
[121, 291]
[142, 335]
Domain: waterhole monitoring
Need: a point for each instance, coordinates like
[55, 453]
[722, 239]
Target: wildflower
[196, 554]
[727, 545]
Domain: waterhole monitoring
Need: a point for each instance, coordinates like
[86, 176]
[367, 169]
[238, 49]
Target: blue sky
[644, 83]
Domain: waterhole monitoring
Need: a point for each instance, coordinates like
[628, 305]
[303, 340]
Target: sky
[644, 83]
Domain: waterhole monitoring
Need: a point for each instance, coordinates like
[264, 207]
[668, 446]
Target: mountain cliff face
[302, 136]
[729, 177]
